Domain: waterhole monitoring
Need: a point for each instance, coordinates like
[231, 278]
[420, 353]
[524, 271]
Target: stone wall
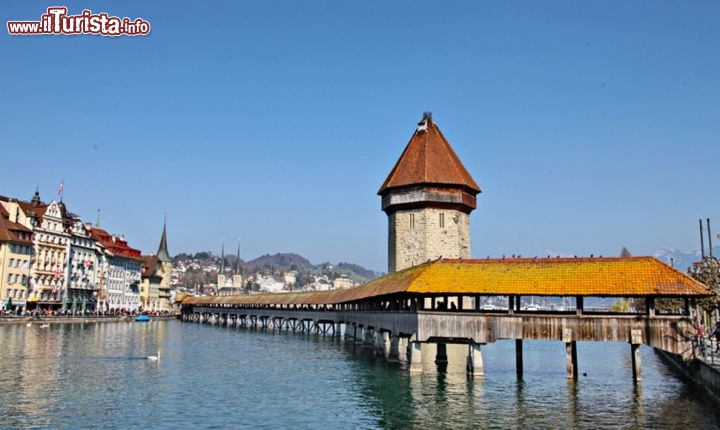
[704, 375]
[418, 235]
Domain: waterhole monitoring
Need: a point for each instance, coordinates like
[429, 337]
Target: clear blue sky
[589, 125]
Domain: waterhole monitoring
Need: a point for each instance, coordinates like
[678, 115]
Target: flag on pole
[61, 187]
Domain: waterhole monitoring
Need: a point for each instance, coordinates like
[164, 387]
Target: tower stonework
[428, 197]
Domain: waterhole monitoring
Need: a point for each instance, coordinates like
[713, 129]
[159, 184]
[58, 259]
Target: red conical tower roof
[428, 159]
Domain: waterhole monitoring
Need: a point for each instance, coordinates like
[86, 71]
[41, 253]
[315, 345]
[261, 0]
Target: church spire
[162, 253]
[222, 259]
[237, 260]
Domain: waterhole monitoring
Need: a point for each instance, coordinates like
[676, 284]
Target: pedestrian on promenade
[700, 338]
[716, 333]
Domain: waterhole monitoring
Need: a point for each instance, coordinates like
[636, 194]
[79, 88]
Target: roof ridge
[557, 258]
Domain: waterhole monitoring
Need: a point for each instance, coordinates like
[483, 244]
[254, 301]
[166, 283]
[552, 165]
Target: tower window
[442, 220]
[412, 220]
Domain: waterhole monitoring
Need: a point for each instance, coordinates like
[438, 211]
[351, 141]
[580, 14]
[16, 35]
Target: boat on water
[142, 318]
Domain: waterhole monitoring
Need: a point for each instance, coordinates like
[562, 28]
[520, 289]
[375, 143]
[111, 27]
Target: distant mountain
[681, 260]
[353, 271]
[290, 261]
[363, 272]
[282, 261]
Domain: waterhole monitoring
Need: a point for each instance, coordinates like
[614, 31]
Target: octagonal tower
[428, 197]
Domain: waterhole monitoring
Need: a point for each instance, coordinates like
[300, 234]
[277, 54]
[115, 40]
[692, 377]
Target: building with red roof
[62, 263]
[121, 272]
[15, 252]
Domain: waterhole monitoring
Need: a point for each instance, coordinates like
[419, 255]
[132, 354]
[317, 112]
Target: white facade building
[83, 269]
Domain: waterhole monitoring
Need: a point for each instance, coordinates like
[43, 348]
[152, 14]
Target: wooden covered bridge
[444, 301]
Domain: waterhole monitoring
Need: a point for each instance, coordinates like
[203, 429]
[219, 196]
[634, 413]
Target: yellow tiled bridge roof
[600, 277]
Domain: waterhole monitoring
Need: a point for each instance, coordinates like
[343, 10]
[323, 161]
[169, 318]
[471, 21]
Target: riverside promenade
[75, 319]
[702, 369]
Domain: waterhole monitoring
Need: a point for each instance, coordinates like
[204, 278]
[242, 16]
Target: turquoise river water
[96, 375]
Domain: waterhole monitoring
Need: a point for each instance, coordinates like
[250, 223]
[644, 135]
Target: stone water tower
[428, 197]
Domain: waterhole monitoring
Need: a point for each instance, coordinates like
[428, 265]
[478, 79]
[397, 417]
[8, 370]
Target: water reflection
[638, 411]
[605, 397]
[95, 375]
[572, 392]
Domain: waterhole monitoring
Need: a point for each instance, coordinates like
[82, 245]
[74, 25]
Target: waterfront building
[120, 272]
[150, 286]
[62, 269]
[156, 278]
[49, 266]
[428, 197]
[69, 265]
[83, 269]
[15, 252]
